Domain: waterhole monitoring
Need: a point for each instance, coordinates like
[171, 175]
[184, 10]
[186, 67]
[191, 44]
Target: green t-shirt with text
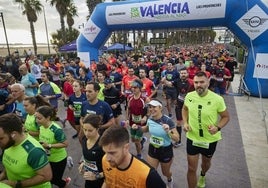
[22, 161]
[203, 112]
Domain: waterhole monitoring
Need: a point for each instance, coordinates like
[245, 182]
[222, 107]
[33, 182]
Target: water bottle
[70, 163]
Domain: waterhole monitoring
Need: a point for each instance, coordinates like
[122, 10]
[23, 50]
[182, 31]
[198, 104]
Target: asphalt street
[229, 167]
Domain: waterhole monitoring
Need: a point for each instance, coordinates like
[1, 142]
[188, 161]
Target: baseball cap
[155, 103]
[108, 81]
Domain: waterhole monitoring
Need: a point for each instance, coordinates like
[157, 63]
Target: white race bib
[219, 79]
[156, 141]
[136, 119]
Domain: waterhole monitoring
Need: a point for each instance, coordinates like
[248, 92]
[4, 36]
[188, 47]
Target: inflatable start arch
[247, 19]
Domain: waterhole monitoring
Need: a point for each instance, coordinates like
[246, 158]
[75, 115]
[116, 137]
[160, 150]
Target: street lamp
[2, 16]
[46, 29]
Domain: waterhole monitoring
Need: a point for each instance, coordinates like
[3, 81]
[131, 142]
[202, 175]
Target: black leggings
[58, 170]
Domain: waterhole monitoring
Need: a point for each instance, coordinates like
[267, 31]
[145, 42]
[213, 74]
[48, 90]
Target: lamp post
[48, 47]
[2, 16]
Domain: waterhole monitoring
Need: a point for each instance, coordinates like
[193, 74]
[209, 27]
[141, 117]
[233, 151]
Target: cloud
[18, 27]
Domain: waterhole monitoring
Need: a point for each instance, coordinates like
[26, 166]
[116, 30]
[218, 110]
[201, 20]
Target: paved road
[229, 167]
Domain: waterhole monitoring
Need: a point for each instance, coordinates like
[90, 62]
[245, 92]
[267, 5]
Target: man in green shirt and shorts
[24, 159]
[200, 113]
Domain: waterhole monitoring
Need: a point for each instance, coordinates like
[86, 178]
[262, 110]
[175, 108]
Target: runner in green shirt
[30, 105]
[24, 159]
[55, 142]
[200, 113]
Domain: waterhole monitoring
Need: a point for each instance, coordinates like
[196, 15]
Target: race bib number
[156, 141]
[136, 119]
[77, 113]
[204, 145]
[219, 79]
[169, 77]
[90, 166]
[77, 110]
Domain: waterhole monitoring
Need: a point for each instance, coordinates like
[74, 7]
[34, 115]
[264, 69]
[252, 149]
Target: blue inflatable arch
[247, 19]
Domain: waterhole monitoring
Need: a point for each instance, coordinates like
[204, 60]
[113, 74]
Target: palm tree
[71, 12]
[31, 8]
[61, 6]
[91, 4]
[57, 41]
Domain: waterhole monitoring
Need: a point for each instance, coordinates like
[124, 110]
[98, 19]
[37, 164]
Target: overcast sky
[18, 28]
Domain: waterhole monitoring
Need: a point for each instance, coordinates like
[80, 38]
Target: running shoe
[170, 184]
[177, 144]
[143, 140]
[201, 182]
[68, 181]
[75, 136]
[70, 163]
[139, 156]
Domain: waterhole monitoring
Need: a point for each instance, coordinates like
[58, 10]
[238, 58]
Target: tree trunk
[62, 24]
[33, 37]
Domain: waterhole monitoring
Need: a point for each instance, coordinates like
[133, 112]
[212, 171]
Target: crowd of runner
[95, 98]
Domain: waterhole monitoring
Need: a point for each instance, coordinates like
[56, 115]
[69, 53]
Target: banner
[164, 11]
[261, 66]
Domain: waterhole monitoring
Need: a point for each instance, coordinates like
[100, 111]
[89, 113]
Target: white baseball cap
[155, 103]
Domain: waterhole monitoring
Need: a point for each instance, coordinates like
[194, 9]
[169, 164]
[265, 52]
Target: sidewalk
[253, 124]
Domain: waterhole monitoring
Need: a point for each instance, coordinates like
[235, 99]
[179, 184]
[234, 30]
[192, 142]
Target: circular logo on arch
[255, 21]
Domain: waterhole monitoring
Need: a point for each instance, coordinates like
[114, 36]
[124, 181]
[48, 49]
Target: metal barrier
[243, 89]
